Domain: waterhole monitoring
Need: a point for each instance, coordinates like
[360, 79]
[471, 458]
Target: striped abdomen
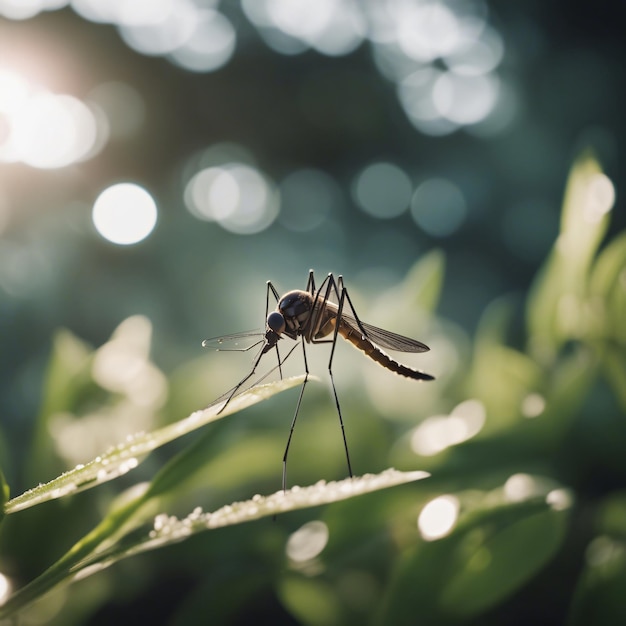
[376, 354]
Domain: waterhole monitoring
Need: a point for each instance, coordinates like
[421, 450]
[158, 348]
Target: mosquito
[311, 317]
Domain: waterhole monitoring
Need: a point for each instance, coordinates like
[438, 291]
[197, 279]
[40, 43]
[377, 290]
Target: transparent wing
[239, 342]
[385, 338]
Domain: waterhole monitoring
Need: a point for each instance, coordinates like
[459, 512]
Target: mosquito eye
[276, 322]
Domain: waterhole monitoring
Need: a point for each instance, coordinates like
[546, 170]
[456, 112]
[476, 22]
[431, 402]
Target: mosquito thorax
[296, 304]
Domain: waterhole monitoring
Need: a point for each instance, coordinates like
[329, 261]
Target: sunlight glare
[477, 55]
[559, 499]
[600, 198]
[100, 11]
[332, 27]
[52, 131]
[122, 364]
[5, 588]
[210, 46]
[416, 95]
[308, 541]
[427, 30]
[519, 487]
[438, 517]
[533, 405]
[235, 195]
[24, 9]
[144, 12]
[439, 432]
[465, 99]
[173, 30]
[14, 91]
[124, 213]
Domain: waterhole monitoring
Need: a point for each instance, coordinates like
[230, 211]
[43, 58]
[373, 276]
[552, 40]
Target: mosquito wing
[385, 338]
[237, 342]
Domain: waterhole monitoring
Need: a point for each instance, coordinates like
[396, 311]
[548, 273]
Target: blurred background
[161, 160]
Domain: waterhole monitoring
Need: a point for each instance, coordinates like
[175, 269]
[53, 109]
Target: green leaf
[310, 601]
[555, 307]
[67, 374]
[101, 547]
[607, 289]
[127, 455]
[503, 560]
[4, 494]
[489, 555]
[169, 529]
[614, 367]
[424, 282]
[500, 377]
[599, 595]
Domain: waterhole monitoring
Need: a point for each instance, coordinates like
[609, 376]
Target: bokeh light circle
[210, 46]
[438, 518]
[124, 213]
[465, 99]
[383, 190]
[236, 195]
[438, 207]
[51, 131]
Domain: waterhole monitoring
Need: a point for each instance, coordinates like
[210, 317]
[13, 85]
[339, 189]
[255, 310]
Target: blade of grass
[4, 494]
[168, 529]
[88, 556]
[127, 455]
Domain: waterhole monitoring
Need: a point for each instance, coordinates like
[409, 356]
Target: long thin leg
[271, 287]
[332, 379]
[295, 417]
[310, 285]
[327, 287]
[237, 387]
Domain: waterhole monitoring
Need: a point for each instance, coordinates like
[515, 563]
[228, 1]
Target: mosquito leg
[356, 317]
[326, 286]
[332, 379]
[242, 381]
[343, 430]
[270, 287]
[280, 363]
[329, 285]
[310, 285]
[295, 417]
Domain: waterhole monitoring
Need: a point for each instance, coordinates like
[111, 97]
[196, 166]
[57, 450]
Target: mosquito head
[275, 327]
[276, 322]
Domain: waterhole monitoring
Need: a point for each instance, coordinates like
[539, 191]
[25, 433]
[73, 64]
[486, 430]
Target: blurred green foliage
[536, 490]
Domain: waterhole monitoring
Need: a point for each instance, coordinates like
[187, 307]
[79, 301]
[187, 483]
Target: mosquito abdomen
[376, 354]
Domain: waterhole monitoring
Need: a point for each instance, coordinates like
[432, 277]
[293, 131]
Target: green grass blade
[88, 556]
[170, 529]
[127, 455]
[4, 494]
